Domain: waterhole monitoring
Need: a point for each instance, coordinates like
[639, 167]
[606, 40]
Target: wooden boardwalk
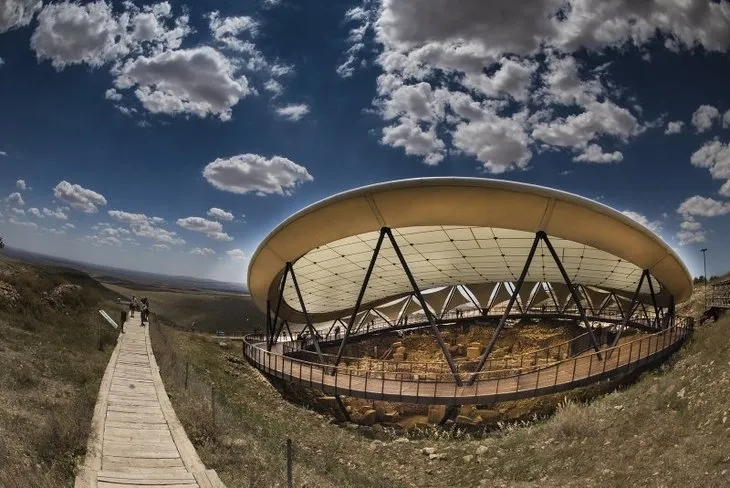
[136, 438]
[581, 370]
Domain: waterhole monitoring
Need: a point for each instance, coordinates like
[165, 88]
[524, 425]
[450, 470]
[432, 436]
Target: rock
[436, 413]
[368, 418]
[399, 356]
[618, 407]
[467, 410]
[468, 458]
[482, 450]
[390, 416]
[375, 444]
[402, 440]
[435, 456]
[473, 352]
[397, 345]
[428, 450]
[681, 393]
[464, 420]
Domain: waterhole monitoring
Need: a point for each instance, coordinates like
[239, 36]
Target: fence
[491, 385]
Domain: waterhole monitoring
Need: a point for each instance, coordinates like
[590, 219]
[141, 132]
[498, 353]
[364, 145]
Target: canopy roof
[454, 231]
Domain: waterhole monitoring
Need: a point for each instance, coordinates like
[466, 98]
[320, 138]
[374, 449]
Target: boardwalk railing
[399, 382]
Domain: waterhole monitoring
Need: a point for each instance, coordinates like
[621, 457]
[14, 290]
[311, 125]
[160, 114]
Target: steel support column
[360, 295]
[278, 328]
[630, 311]
[269, 329]
[510, 304]
[653, 299]
[573, 292]
[447, 302]
[426, 310]
[306, 315]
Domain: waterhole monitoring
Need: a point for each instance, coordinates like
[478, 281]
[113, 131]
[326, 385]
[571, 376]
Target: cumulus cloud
[219, 236]
[726, 120]
[59, 213]
[690, 232]
[23, 223]
[236, 254]
[35, 212]
[17, 13]
[20, 185]
[220, 214]
[68, 226]
[148, 227]
[715, 156]
[79, 197]
[18, 211]
[698, 206]
[704, 118]
[199, 224]
[226, 30]
[594, 154]
[674, 127]
[447, 67]
[204, 251]
[200, 81]
[15, 198]
[293, 112]
[160, 247]
[251, 173]
[653, 225]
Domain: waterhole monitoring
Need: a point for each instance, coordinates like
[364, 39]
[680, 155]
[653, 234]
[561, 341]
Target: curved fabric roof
[454, 231]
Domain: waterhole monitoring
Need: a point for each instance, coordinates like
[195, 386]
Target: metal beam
[653, 300]
[503, 319]
[382, 316]
[445, 307]
[278, 328]
[426, 310]
[306, 315]
[630, 311]
[269, 330]
[360, 296]
[573, 292]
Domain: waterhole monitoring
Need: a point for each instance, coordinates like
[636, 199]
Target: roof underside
[454, 231]
[331, 275]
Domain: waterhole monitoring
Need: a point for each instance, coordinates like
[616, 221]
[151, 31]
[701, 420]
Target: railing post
[575, 363]
[289, 471]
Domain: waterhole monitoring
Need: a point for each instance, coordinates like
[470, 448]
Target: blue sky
[172, 137]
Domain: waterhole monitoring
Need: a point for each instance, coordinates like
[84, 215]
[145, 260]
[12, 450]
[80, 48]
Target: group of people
[142, 306]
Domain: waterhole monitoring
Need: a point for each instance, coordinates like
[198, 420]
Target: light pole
[704, 260]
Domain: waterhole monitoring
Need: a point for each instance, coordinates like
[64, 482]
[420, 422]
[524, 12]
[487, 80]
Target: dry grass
[50, 370]
[671, 428]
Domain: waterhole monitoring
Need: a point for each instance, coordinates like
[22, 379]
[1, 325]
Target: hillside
[50, 370]
[670, 428]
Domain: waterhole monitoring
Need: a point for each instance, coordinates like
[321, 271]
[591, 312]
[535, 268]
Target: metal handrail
[635, 353]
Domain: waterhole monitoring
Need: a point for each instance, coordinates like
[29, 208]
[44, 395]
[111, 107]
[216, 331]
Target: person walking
[132, 305]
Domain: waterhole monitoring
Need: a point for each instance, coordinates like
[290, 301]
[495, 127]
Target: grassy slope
[211, 311]
[50, 370]
[669, 429]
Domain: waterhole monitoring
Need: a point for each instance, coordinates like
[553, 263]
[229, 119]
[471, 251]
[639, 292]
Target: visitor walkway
[398, 382]
[136, 438]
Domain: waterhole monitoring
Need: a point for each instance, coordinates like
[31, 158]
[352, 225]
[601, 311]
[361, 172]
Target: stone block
[473, 352]
[379, 412]
[436, 413]
[396, 345]
[398, 356]
[464, 420]
[368, 418]
[467, 410]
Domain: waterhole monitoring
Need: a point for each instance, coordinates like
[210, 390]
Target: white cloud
[17, 13]
[220, 214]
[446, 66]
[226, 30]
[690, 232]
[251, 173]
[726, 120]
[35, 212]
[79, 197]
[20, 185]
[68, 33]
[160, 247]
[703, 207]
[199, 224]
[53, 230]
[148, 227]
[205, 251]
[704, 117]
[674, 127]
[219, 236]
[653, 225]
[32, 225]
[271, 3]
[715, 156]
[293, 112]
[236, 254]
[199, 81]
[3, 153]
[594, 154]
[2, 62]
[59, 213]
[18, 211]
[274, 87]
[15, 198]
[112, 94]
[99, 241]
[68, 226]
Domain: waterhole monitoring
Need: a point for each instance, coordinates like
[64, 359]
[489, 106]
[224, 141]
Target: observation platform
[503, 379]
[136, 439]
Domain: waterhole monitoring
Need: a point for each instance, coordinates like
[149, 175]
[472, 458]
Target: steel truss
[274, 328]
